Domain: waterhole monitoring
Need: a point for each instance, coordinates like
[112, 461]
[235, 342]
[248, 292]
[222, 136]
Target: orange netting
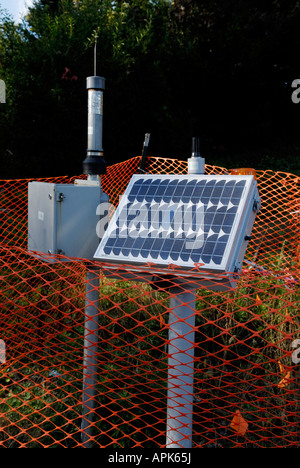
[247, 341]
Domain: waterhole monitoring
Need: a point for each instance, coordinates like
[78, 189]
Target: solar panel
[184, 220]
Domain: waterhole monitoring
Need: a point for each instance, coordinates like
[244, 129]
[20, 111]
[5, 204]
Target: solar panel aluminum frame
[212, 276]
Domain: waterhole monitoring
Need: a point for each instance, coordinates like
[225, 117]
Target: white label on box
[41, 215]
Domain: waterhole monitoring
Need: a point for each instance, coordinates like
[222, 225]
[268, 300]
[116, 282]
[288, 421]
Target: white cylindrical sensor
[196, 164]
[95, 87]
[94, 163]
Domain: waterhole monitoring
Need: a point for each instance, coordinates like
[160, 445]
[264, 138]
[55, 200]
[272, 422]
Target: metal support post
[180, 369]
[91, 327]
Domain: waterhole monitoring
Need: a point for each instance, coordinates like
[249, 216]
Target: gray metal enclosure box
[62, 219]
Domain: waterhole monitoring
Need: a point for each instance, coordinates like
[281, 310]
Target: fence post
[181, 368]
[90, 360]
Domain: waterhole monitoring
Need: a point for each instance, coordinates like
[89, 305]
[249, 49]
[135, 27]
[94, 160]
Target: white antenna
[95, 56]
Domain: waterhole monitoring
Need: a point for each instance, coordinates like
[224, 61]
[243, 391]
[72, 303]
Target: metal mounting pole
[180, 368]
[181, 348]
[90, 359]
[94, 165]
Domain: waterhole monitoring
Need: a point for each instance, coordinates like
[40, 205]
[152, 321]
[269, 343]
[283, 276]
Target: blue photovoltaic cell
[174, 219]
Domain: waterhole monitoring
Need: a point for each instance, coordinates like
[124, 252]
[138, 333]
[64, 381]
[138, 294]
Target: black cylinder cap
[94, 165]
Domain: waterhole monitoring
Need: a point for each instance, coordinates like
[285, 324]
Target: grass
[243, 351]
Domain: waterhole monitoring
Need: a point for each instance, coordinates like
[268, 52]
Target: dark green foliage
[218, 69]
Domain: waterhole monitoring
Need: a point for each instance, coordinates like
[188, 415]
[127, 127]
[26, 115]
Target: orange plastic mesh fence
[247, 341]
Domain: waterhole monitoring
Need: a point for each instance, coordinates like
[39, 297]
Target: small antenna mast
[95, 55]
